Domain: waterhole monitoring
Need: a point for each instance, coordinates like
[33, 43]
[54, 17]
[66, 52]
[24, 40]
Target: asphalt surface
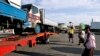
[58, 46]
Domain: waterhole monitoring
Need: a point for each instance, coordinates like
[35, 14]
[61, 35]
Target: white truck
[36, 20]
[52, 26]
[62, 27]
[95, 26]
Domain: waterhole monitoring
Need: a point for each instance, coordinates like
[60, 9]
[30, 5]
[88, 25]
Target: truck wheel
[18, 29]
[37, 29]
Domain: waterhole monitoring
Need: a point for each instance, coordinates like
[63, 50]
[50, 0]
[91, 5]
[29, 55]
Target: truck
[36, 21]
[62, 27]
[29, 18]
[33, 20]
[95, 26]
[50, 26]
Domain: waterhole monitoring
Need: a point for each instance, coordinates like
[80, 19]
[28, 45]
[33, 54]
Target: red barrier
[7, 47]
[2, 39]
[31, 41]
[25, 41]
[7, 38]
[40, 35]
[10, 43]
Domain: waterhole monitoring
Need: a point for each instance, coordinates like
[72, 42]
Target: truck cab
[33, 20]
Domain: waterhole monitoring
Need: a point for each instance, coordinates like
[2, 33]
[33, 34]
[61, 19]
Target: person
[81, 36]
[90, 44]
[71, 33]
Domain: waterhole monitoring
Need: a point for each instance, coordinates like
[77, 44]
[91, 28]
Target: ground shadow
[97, 52]
[96, 33]
[73, 50]
[30, 53]
[68, 50]
[53, 43]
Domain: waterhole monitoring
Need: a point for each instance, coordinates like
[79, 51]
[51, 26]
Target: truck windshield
[28, 7]
[34, 9]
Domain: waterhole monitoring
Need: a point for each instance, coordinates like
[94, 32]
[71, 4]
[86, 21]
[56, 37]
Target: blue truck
[26, 19]
[11, 17]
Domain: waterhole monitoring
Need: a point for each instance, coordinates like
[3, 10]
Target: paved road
[58, 46]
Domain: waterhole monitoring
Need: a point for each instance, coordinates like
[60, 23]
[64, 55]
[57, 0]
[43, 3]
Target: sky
[64, 11]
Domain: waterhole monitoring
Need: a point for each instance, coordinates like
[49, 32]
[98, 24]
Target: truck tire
[18, 29]
[37, 28]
